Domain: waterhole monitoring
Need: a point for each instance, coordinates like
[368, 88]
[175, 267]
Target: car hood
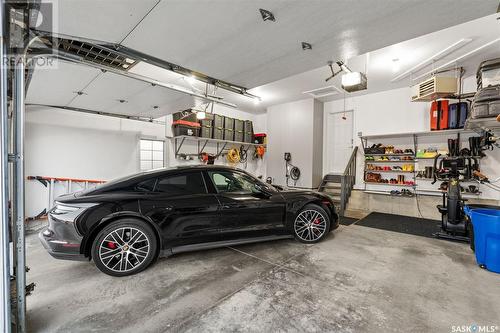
[288, 193]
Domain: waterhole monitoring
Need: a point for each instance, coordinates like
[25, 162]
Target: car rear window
[184, 184]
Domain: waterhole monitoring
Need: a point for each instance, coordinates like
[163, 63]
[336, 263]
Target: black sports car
[126, 223]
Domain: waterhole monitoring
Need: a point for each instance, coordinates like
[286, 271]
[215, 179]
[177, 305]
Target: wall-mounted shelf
[388, 171]
[421, 133]
[202, 143]
[388, 193]
[390, 155]
[389, 184]
[398, 161]
[419, 182]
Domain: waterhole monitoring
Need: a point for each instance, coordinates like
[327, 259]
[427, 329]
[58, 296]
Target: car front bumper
[61, 240]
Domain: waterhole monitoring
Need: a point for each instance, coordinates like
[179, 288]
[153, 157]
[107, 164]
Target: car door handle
[236, 205]
[168, 208]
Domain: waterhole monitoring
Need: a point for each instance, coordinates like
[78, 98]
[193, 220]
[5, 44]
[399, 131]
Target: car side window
[228, 181]
[184, 184]
[146, 185]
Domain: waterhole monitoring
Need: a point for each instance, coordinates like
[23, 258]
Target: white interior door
[340, 141]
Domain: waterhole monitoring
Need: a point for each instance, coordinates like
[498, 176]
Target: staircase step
[333, 185]
[333, 178]
[335, 198]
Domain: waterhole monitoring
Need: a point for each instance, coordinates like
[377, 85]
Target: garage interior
[382, 107]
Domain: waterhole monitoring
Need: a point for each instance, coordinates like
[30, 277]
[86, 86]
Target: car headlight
[60, 209]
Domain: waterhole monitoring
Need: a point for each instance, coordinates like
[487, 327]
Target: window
[146, 185]
[228, 181]
[151, 154]
[189, 183]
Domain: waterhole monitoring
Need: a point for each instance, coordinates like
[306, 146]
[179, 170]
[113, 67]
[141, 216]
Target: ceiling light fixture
[354, 81]
[267, 15]
[306, 46]
[435, 57]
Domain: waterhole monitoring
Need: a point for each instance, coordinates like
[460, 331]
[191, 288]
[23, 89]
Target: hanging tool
[233, 155]
[291, 171]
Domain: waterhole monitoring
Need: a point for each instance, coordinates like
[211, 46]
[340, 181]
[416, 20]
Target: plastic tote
[486, 223]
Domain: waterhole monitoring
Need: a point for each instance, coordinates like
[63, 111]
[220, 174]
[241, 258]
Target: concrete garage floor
[358, 280]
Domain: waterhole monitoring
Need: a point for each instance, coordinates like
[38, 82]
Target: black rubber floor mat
[347, 220]
[403, 224]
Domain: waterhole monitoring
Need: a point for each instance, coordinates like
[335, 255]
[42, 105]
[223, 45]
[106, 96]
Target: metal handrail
[348, 179]
[352, 160]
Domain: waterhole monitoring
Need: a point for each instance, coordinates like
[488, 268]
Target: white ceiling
[380, 67]
[228, 40]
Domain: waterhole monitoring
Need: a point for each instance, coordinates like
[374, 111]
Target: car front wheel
[124, 247]
[311, 224]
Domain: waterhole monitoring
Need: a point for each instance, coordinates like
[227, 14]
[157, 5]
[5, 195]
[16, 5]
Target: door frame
[326, 154]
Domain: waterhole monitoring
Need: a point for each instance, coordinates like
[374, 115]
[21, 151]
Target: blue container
[486, 223]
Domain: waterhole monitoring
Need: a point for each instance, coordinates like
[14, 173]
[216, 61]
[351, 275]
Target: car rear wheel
[124, 247]
[311, 224]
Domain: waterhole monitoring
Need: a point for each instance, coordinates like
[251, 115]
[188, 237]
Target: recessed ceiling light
[267, 15]
[306, 46]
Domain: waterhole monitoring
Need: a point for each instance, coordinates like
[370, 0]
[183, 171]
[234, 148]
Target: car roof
[162, 171]
[146, 175]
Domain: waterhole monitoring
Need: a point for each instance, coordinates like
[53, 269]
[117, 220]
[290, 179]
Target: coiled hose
[233, 155]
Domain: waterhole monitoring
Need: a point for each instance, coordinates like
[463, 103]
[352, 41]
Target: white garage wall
[296, 127]
[76, 145]
[392, 112]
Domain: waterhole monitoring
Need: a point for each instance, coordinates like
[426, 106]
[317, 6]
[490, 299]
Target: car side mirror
[262, 190]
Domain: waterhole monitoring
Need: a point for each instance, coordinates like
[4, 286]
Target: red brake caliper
[317, 221]
[111, 245]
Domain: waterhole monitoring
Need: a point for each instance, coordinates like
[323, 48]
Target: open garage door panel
[82, 87]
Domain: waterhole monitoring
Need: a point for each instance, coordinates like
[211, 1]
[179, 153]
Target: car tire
[124, 247]
[311, 224]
